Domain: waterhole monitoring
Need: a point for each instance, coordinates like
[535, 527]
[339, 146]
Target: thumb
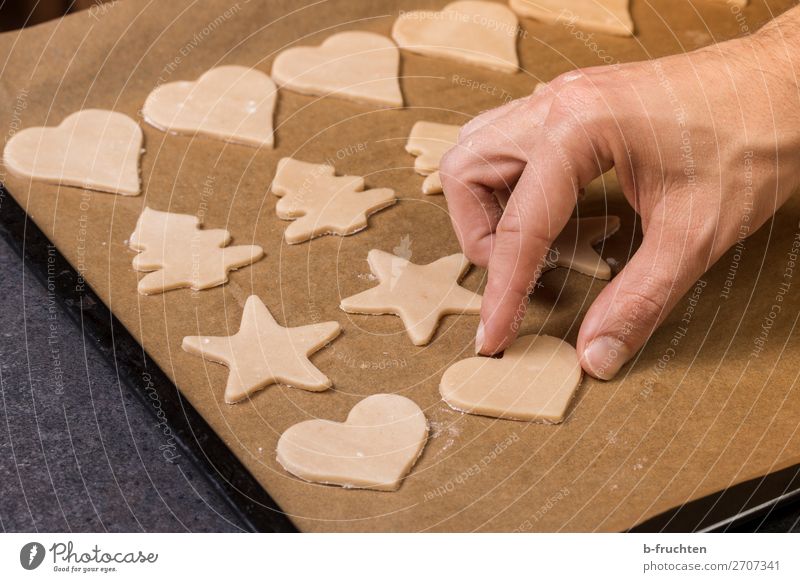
[633, 305]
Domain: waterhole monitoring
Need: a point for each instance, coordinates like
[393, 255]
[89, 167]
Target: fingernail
[479, 338]
[604, 357]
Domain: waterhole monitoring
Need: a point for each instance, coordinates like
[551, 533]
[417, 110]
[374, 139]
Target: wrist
[778, 44]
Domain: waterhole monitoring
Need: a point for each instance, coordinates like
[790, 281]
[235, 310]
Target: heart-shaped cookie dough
[93, 148]
[374, 448]
[232, 103]
[607, 16]
[361, 66]
[534, 380]
[471, 31]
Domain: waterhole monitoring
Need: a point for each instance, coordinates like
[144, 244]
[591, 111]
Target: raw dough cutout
[263, 353]
[419, 294]
[608, 16]
[361, 66]
[574, 247]
[176, 253]
[534, 380]
[471, 31]
[374, 448]
[429, 141]
[232, 103]
[92, 148]
[320, 202]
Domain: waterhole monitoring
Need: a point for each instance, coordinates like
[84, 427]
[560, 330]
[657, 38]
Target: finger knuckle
[466, 129]
[642, 307]
[452, 165]
[510, 224]
[473, 249]
[568, 78]
[513, 225]
[577, 102]
[449, 159]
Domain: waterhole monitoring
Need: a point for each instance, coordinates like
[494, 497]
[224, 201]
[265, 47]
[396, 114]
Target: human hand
[706, 146]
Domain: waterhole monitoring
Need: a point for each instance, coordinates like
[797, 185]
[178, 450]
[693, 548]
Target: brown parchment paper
[696, 413]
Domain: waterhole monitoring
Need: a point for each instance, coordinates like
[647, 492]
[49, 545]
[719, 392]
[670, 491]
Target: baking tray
[631, 452]
[744, 507]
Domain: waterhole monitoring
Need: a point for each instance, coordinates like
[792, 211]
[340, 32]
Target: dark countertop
[79, 452]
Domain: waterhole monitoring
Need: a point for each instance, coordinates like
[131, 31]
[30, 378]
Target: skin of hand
[706, 146]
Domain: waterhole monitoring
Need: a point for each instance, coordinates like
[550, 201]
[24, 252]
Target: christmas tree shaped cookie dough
[175, 252]
[322, 203]
[263, 353]
[429, 141]
[574, 247]
[419, 294]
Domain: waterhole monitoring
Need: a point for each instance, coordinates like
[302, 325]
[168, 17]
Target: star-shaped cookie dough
[574, 247]
[419, 294]
[263, 353]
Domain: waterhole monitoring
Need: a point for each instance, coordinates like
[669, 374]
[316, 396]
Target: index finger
[565, 156]
[490, 156]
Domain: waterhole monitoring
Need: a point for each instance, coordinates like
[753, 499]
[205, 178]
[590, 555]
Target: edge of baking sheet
[735, 507]
[741, 507]
[201, 445]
